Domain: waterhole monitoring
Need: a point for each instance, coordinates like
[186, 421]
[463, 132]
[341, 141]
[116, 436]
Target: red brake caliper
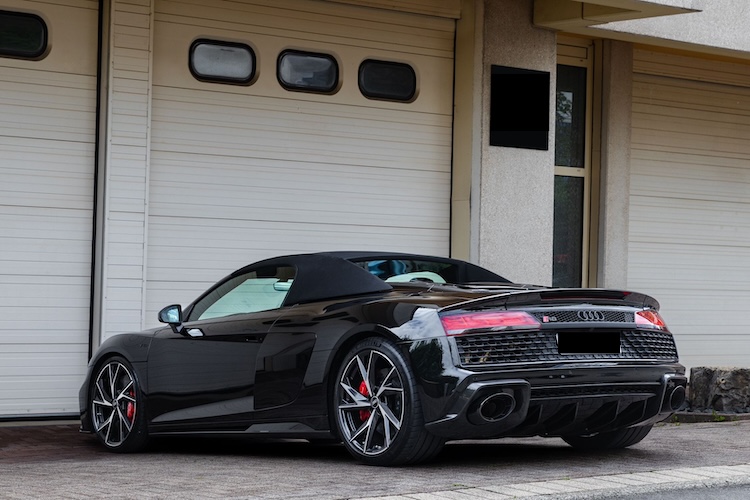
[130, 412]
[364, 414]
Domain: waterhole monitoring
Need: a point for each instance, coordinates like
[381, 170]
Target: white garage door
[690, 201]
[47, 119]
[240, 173]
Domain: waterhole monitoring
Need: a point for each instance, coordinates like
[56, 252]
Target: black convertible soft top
[328, 275]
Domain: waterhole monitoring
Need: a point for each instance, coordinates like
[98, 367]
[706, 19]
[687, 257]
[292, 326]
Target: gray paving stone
[55, 461]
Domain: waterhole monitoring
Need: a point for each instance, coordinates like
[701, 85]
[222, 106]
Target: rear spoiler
[593, 296]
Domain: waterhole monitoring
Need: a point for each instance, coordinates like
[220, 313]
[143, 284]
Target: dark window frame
[21, 54]
[381, 96]
[301, 88]
[221, 79]
[576, 216]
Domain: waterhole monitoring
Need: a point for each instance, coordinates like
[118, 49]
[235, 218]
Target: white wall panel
[127, 167]
[689, 201]
[242, 173]
[446, 8]
[47, 119]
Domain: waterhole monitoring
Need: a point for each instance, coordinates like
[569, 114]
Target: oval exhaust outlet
[497, 407]
[677, 398]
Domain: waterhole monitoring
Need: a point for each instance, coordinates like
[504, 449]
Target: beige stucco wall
[721, 27]
[516, 185]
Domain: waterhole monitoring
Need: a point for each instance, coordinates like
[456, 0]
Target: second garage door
[690, 201]
[47, 133]
[243, 172]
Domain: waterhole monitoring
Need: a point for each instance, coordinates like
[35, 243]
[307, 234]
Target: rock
[720, 389]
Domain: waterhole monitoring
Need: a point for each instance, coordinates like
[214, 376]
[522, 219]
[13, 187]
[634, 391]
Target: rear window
[406, 270]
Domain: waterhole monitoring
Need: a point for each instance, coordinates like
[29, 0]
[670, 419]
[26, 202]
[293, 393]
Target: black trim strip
[97, 150]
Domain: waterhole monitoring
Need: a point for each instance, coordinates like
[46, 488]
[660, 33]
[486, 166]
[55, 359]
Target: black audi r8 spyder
[392, 354]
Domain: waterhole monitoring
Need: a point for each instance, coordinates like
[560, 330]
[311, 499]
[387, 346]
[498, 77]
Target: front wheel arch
[115, 391]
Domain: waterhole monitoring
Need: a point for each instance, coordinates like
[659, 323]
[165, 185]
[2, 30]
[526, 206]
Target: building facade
[150, 147]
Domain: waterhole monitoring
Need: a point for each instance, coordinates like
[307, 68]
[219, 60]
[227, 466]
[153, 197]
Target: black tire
[116, 406]
[609, 440]
[376, 407]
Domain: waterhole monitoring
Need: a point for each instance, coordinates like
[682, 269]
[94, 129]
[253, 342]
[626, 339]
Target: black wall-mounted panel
[519, 108]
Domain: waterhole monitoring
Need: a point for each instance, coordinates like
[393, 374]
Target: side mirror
[172, 315]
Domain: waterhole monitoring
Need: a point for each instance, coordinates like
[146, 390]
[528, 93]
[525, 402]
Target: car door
[204, 377]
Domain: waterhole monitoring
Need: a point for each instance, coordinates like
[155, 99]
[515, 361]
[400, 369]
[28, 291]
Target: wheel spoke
[354, 394]
[99, 390]
[386, 430]
[364, 373]
[364, 428]
[102, 401]
[367, 445]
[113, 379]
[123, 420]
[106, 422]
[384, 386]
[390, 417]
[356, 405]
[124, 393]
[109, 427]
[119, 425]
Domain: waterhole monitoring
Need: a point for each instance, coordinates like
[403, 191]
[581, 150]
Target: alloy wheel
[371, 402]
[113, 403]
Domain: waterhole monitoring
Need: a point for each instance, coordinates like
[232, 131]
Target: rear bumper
[571, 399]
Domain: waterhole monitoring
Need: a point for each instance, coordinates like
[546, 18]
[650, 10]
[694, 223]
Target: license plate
[588, 342]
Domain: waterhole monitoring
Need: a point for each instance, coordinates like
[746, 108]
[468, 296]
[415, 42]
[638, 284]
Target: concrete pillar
[617, 96]
[516, 202]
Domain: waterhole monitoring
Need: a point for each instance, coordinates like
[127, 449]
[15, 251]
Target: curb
[691, 417]
[644, 484]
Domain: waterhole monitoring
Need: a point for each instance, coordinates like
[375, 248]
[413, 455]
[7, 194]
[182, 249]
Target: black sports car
[392, 354]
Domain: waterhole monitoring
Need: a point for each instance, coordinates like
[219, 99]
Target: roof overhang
[569, 15]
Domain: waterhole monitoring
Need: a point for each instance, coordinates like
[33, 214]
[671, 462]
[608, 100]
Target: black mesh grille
[590, 390]
[527, 347]
[594, 315]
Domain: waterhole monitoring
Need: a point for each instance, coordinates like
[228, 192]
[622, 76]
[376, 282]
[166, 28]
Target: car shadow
[470, 455]
[37, 444]
[240, 446]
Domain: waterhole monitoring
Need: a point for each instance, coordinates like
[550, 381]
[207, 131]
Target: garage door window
[307, 71]
[222, 62]
[387, 80]
[22, 35]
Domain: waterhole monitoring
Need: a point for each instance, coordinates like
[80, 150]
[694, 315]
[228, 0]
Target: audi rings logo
[591, 315]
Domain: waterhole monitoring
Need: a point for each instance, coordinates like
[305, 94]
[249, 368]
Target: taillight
[457, 324]
[650, 319]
